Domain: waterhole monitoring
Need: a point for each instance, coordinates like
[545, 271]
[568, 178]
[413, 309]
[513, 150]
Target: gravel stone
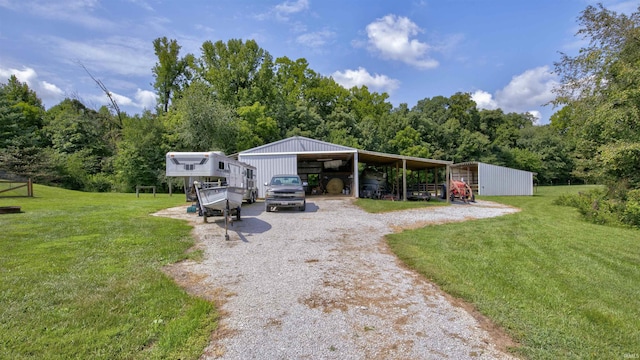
[322, 284]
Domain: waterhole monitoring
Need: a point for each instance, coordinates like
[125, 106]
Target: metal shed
[306, 157]
[487, 179]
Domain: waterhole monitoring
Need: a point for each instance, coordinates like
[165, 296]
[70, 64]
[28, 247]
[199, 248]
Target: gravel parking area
[322, 284]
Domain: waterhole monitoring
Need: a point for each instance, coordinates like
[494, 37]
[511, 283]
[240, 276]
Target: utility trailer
[218, 183]
[210, 169]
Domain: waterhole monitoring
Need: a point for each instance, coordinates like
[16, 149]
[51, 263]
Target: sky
[502, 52]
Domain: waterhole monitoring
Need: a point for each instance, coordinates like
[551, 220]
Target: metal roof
[310, 149]
[298, 145]
[413, 163]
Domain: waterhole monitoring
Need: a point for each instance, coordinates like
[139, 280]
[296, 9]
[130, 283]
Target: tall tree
[239, 72]
[170, 72]
[21, 122]
[600, 86]
[206, 123]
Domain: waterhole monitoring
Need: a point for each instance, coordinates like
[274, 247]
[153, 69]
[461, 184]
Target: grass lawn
[561, 287]
[81, 278]
[378, 206]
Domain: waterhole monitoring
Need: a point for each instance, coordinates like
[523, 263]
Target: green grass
[379, 206]
[81, 278]
[561, 287]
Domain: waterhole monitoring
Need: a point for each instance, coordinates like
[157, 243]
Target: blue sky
[500, 51]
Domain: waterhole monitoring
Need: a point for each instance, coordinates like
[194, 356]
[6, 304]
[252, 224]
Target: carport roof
[298, 145]
[413, 163]
[307, 148]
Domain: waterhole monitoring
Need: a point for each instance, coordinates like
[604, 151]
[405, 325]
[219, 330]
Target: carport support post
[404, 179]
[448, 184]
[356, 177]
[435, 181]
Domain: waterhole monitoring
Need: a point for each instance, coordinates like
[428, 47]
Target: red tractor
[461, 190]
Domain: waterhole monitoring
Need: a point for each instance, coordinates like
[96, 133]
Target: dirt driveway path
[322, 284]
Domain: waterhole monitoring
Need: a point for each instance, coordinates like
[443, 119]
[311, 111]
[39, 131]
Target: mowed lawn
[81, 277]
[561, 287]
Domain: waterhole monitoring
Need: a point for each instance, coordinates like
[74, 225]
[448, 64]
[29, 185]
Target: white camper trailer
[212, 169]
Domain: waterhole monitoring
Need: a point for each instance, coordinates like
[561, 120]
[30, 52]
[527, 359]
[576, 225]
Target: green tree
[140, 158]
[79, 139]
[599, 86]
[255, 128]
[21, 140]
[21, 117]
[240, 73]
[408, 141]
[205, 123]
[170, 72]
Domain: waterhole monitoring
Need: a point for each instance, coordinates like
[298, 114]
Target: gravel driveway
[322, 284]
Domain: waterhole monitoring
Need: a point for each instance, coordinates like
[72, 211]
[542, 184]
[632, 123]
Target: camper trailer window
[221, 165]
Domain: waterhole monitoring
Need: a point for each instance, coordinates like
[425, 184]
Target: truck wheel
[238, 214]
[304, 206]
[267, 208]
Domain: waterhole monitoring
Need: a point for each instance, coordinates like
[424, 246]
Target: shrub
[631, 212]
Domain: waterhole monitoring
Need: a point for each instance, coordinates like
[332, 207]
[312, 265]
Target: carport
[403, 163]
[313, 159]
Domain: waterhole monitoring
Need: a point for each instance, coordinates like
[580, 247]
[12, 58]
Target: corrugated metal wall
[269, 165]
[499, 180]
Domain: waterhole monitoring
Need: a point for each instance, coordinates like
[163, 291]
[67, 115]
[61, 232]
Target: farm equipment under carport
[461, 190]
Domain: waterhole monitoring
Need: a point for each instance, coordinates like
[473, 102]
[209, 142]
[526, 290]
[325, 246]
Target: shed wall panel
[497, 180]
[269, 165]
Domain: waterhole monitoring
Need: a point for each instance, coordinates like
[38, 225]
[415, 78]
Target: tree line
[234, 96]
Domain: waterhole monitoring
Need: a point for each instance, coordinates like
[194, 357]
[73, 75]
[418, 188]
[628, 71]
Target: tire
[238, 210]
[267, 208]
[303, 207]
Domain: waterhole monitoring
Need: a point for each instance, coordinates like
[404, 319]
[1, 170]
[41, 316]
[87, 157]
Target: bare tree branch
[114, 104]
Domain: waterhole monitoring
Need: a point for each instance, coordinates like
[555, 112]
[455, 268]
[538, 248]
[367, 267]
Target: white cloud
[624, 7]
[76, 11]
[291, 7]
[142, 100]
[525, 93]
[484, 100]
[143, 4]
[537, 116]
[351, 78]
[315, 39]
[117, 55]
[283, 10]
[391, 37]
[146, 99]
[531, 89]
[46, 91]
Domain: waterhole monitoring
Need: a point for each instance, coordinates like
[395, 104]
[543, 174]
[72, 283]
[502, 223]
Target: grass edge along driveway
[561, 287]
[81, 277]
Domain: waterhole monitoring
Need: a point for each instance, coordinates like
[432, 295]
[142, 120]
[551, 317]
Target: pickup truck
[285, 191]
